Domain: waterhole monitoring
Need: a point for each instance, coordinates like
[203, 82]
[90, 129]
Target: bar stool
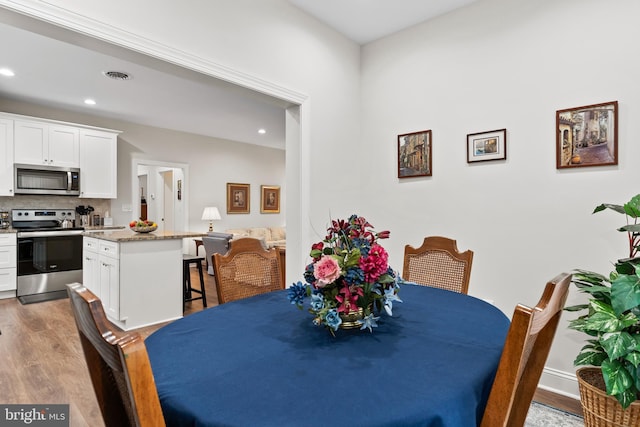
[187, 289]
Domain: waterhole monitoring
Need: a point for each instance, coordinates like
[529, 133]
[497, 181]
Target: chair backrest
[118, 365]
[437, 263]
[216, 243]
[246, 270]
[523, 357]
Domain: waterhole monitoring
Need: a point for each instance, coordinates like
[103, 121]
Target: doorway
[163, 193]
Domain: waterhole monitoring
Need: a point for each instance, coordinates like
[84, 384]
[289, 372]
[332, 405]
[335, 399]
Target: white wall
[505, 64]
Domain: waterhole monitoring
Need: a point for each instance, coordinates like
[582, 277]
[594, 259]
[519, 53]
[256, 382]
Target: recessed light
[6, 72]
[90, 102]
[262, 131]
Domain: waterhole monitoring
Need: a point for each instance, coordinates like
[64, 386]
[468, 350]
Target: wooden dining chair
[118, 365]
[523, 357]
[437, 263]
[246, 270]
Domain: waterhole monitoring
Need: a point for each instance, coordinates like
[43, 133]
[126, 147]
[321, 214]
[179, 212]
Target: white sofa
[269, 236]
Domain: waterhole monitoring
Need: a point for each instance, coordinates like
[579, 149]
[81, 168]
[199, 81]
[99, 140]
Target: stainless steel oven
[49, 256]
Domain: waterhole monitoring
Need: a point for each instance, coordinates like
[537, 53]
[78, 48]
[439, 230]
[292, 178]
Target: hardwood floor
[43, 363]
[42, 360]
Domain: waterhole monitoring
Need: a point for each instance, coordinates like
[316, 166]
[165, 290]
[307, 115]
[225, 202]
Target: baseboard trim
[559, 401]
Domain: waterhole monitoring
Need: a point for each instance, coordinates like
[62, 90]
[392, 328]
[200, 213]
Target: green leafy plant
[612, 320]
[632, 211]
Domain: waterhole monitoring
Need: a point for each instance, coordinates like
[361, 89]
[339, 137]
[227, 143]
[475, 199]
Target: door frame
[135, 188]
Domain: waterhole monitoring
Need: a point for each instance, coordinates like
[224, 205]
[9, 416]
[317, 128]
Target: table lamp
[210, 214]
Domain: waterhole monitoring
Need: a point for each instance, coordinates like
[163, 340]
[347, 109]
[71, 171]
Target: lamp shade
[211, 214]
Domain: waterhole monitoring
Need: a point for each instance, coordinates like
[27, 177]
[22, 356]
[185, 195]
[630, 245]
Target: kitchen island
[137, 276]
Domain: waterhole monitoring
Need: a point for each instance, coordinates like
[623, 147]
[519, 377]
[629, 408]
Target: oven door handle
[49, 233]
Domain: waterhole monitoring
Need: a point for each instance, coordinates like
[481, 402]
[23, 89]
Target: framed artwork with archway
[414, 154]
[587, 136]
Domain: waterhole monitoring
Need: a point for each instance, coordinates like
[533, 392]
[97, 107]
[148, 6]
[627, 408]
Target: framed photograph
[269, 199]
[485, 146]
[587, 136]
[237, 198]
[414, 154]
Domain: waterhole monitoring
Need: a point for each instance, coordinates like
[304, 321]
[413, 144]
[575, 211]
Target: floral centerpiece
[349, 277]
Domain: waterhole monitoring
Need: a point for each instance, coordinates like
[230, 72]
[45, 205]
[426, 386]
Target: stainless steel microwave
[33, 179]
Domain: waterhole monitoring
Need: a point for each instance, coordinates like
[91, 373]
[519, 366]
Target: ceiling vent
[117, 75]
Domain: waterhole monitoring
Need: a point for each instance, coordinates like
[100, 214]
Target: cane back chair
[246, 270]
[118, 365]
[523, 357]
[437, 263]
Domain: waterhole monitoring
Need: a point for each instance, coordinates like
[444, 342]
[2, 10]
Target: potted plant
[612, 322]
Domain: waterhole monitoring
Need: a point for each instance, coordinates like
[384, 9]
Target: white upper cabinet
[6, 157]
[42, 143]
[98, 164]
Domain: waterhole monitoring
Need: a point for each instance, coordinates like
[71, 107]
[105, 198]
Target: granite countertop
[132, 236]
[104, 227]
[87, 228]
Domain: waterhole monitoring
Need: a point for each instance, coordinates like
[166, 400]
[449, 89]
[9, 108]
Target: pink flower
[347, 300]
[376, 264]
[326, 270]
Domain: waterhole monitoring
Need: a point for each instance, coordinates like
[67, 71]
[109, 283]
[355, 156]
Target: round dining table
[261, 361]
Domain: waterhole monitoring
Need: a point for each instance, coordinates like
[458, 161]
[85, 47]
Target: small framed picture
[485, 146]
[587, 136]
[414, 154]
[237, 198]
[269, 199]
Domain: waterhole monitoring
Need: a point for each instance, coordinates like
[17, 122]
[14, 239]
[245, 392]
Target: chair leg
[202, 290]
[185, 272]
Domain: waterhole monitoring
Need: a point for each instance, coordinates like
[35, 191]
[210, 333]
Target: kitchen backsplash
[100, 206]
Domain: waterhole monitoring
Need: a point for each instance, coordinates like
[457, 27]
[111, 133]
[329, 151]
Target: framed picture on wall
[414, 154]
[269, 199]
[485, 146]
[237, 198]
[587, 136]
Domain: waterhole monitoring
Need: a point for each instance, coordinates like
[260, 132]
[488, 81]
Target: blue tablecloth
[261, 362]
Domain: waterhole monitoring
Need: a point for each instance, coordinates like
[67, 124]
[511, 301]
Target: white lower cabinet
[101, 273]
[8, 270]
[90, 263]
[110, 278]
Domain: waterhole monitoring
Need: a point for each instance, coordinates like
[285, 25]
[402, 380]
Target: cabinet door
[8, 279]
[98, 164]
[6, 157]
[91, 272]
[64, 146]
[31, 142]
[110, 286]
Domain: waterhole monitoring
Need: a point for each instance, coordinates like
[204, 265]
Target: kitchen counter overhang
[120, 235]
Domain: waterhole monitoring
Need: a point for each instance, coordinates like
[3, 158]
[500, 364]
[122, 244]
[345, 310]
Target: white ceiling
[364, 21]
[59, 69]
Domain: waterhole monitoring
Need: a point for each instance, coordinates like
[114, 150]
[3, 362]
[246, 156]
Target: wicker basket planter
[600, 409]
